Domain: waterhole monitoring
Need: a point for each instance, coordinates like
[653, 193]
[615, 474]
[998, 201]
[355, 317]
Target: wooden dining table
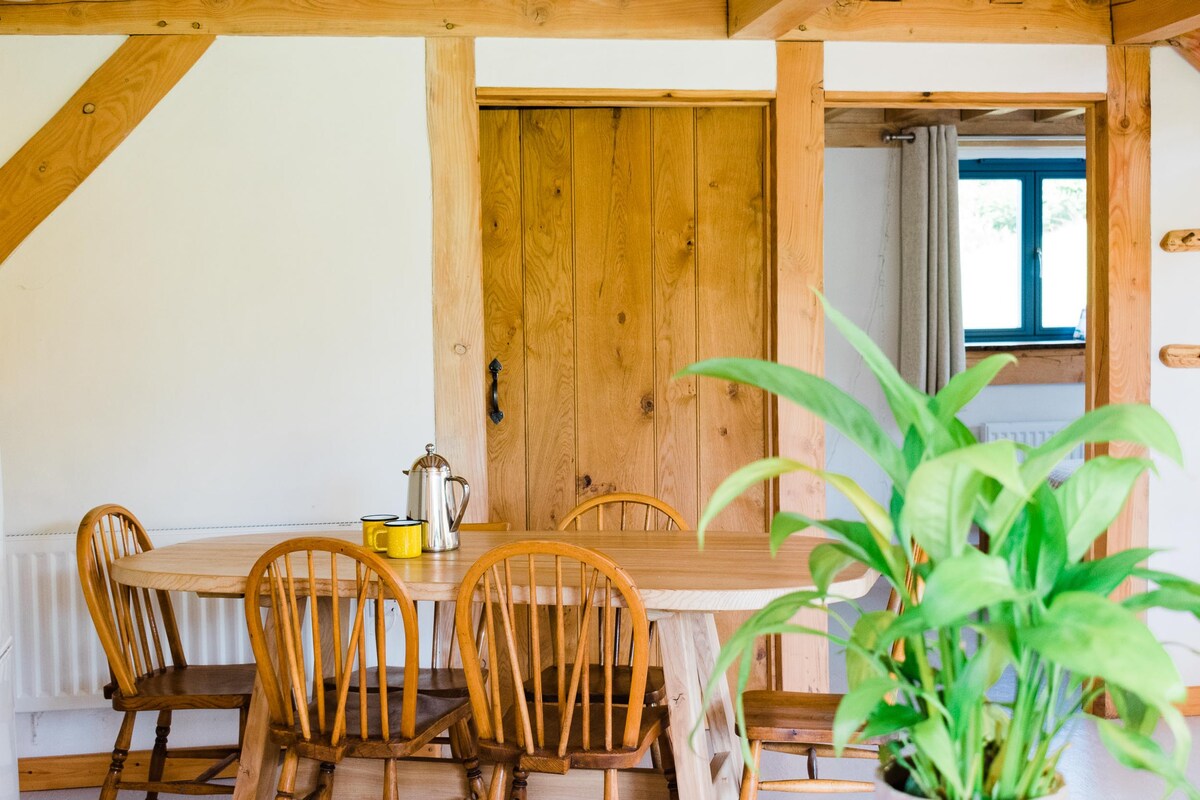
[683, 584]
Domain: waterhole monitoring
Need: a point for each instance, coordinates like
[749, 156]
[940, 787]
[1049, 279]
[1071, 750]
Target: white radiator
[1030, 433]
[59, 662]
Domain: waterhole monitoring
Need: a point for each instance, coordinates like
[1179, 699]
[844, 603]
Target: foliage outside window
[1023, 238]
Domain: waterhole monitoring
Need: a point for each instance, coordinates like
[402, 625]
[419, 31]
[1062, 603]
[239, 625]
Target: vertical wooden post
[458, 357]
[798, 132]
[1119, 292]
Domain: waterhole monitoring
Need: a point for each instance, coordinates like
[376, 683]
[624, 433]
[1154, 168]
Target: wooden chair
[146, 675]
[801, 723]
[654, 514]
[309, 719]
[566, 725]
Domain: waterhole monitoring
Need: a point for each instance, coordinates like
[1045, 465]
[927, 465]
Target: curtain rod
[985, 137]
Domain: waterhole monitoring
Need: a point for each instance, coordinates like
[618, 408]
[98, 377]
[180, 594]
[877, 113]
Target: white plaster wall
[229, 322]
[1175, 283]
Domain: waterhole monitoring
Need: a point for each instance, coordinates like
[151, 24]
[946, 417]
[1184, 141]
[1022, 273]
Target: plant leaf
[867, 634]
[827, 401]
[980, 674]
[871, 548]
[933, 741]
[856, 706]
[1045, 540]
[827, 560]
[962, 388]
[1092, 497]
[1103, 575]
[888, 719]
[961, 585]
[1078, 632]
[1139, 751]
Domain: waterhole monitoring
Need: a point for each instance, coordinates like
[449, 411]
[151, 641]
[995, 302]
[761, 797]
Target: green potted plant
[1031, 607]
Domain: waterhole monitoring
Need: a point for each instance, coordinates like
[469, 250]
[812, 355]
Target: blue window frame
[1031, 230]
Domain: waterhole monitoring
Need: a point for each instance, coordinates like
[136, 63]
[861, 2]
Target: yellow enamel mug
[374, 534]
[403, 538]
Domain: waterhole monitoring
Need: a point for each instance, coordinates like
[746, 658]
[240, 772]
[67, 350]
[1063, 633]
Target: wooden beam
[770, 19]
[458, 356]
[1030, 22]
[968, 114]
[1119, 307]
[798, 131]
[97, 118]
[1146, 21]
[645, 19]
[1057, 114]
[957, 100]
[507, 96]
[1035, 365]
[1188, 46]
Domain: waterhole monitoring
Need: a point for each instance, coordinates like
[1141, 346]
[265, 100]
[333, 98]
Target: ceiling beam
[1146, 21]
[770, 19]
[1029, 22]
[968, 114]
[1188, 46]
[97, 118]
[1056, 114]
[643, 19]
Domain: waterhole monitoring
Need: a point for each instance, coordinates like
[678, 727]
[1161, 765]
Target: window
[1023, 235]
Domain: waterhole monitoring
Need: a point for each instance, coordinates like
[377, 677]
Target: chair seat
[656, 684]
[436, 681]
[790, 716]
[434, 716]
[175, 688]
[546, 759]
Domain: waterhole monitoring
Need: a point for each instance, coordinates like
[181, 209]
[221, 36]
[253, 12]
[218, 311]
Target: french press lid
[431, 460]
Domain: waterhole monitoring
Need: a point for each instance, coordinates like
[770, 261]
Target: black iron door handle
[496, 414]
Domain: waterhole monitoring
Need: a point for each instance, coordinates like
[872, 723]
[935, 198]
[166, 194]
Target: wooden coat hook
[1180, 356]
[1181, 241]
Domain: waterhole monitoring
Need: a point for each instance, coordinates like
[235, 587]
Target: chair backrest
[303, 572]
[131, 622]
[580, 590]
[633, 512]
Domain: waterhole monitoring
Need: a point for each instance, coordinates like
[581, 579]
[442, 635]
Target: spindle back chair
[636, 512]
[141, 642]
[566, 724]
[357, 717]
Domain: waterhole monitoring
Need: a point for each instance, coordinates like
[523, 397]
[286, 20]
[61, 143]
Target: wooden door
[620, 245]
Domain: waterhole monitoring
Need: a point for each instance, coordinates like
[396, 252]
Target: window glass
[990, 238]
[1064, 251]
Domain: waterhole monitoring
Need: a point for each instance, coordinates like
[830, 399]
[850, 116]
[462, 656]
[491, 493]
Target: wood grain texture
[733, 572]
[1123, 368]
[614, 331]
[1181, 241]
[770, 19]
[97, 118]
[962, 100]
[1036, 365]
[504, 308]
[1027, 22]
[645, 19]
[1147, 21]
[1180, 356]
[673, 153]
[547, 199]
[459, 358]
[56, 773]
[1188, 46]
[540, 97]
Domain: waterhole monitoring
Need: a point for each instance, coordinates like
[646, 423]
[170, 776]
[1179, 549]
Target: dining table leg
[707, 766]
[259, 758]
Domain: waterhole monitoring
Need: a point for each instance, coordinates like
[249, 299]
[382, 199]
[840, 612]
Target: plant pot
[883, 791]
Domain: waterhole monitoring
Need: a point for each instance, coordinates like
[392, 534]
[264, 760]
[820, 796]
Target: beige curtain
[932, 348]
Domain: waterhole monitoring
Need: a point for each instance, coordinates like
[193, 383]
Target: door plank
[613, 307]
[549, 314]
[674, 284]
[504, 308]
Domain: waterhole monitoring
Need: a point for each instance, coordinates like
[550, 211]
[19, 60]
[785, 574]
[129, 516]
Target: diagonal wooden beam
[97, 118]
[1188, 46]
[1146, 21]
[770, 19]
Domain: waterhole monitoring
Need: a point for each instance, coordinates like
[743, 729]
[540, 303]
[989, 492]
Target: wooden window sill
[1036, 363]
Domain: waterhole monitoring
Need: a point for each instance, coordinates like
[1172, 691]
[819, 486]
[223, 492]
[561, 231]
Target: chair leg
[667, 760]
[812, 763]
[325, 781]
[287, 775]
[158, 756]
[461, 733]
[610, 784]
[391, 789]
[520, 783]
[243, 715]
[499, 786]
[750, 772]
[112, 781]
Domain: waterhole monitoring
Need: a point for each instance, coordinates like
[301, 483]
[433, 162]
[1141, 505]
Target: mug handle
[462, 504]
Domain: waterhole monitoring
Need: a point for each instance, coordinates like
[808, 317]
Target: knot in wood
[647, 404]
[89, 108]
[460, 349]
